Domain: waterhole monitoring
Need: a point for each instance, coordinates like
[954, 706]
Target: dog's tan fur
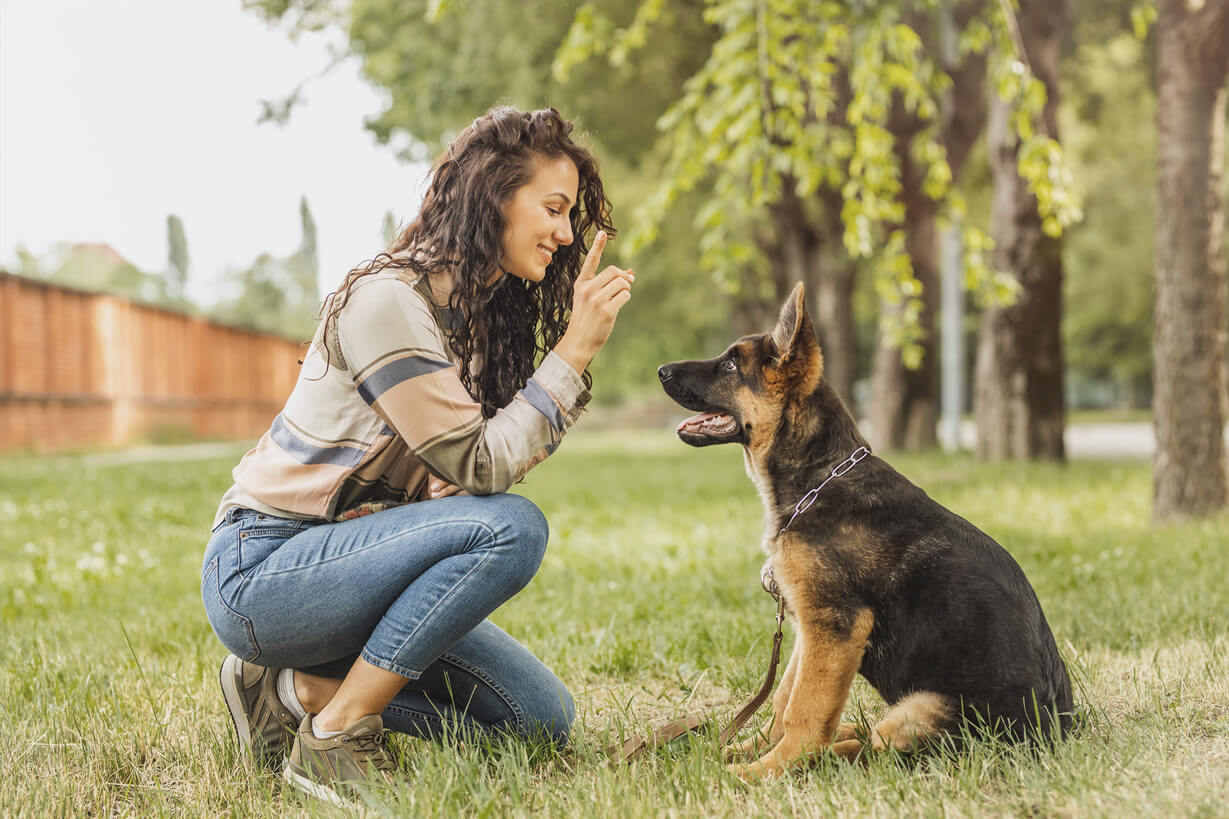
[808, 705]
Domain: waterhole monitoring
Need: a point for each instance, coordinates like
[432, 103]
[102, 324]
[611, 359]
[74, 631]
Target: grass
[648, 605]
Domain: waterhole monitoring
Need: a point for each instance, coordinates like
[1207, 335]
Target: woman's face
[536, 220]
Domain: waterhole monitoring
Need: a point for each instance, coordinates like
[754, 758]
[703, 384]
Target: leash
[636, 746]
[751, 707]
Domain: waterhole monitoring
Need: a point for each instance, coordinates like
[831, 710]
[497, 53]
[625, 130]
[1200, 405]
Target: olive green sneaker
[341, 765]
[264, 726]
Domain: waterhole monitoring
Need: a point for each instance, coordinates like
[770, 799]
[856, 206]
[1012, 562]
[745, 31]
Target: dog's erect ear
[794, 334]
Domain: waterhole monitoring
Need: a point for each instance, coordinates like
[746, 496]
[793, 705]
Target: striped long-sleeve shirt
[388, 410]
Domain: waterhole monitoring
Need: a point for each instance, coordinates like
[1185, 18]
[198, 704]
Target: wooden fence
[81, 369]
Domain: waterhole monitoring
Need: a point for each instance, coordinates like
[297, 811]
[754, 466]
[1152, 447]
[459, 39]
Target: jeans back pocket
[260, 536]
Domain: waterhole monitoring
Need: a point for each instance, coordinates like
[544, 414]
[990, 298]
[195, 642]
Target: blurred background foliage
[275, 294]
[617, 68]
[696, 236]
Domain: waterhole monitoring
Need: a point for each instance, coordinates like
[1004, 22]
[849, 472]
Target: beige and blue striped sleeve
[395, 354]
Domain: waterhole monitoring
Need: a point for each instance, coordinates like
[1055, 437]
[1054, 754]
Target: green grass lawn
[648, 605]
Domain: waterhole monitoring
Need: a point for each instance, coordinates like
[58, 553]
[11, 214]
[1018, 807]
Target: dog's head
[741, 393]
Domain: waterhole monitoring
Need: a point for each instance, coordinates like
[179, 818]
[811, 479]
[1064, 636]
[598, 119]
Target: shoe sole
[231, 679]
[311, 788]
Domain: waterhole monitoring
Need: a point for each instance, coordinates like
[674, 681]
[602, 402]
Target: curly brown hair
[511, 322]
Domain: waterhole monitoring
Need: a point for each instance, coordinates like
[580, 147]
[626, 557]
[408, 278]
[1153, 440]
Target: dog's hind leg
[912, 723]
[760, 743]
[827, 661]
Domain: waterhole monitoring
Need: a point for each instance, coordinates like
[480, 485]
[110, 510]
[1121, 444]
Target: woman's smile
[547, 253]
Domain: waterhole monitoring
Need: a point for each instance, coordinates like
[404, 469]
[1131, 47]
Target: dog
[879, 578]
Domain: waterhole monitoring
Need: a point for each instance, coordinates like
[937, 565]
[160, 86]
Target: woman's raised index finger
[594, 257]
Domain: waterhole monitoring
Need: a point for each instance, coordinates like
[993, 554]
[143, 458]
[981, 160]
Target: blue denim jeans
[408, 589]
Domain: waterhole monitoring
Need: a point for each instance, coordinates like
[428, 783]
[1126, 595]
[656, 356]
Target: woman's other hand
[437, 488]
[596, 301]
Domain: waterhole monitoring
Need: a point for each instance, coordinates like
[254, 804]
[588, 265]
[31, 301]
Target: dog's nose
[664, 373]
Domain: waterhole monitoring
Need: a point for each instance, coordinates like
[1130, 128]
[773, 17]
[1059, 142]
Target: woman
[367, 535]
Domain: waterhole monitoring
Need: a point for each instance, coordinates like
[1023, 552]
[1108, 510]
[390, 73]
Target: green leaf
[586, 38]
[1143, 15]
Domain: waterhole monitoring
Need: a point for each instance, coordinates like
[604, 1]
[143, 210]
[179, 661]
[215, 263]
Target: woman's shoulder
[388, 293]
[385, 311]
[386, 279]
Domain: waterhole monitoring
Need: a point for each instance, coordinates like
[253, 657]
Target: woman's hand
[596, 301]
[437, 488]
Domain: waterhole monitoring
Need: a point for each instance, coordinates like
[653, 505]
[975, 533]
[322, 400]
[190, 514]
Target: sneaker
[341, 764]
[264, 726]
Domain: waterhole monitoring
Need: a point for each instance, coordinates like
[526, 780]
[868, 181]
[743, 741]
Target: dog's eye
[728, 365]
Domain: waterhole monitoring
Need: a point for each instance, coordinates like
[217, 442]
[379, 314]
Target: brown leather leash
[634, 747]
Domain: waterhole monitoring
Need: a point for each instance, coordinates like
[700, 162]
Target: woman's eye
[728, 365]
[552, 211]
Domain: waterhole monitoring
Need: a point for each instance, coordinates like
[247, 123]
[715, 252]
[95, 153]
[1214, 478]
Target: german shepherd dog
[879, 578]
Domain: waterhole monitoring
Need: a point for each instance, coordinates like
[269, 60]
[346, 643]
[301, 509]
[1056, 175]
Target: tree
[905, 400]
[304, 263]
[1109, 137]
[261, 303]
[177, 259]
[443, 67]
[1190, 327]
[1018, 399]
[277, 294]
[92, 266]
[764, 124]
[762, 134]
[389, 229]
[807, 245]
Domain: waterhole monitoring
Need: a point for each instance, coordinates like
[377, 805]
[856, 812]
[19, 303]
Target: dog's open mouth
[709, 427]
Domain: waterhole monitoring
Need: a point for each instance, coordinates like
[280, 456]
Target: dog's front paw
[769, 765]
[742, 750]
[749, 771]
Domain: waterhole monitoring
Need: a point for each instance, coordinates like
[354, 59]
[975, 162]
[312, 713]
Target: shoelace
[374, 750]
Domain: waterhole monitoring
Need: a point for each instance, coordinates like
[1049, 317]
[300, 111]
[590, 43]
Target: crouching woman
[368, 535]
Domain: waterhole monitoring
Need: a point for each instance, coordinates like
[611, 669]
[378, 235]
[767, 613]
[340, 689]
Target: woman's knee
[550, 716]
[526, 521]
[523, 528]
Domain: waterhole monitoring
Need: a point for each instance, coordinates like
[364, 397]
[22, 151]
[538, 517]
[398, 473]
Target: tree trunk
[833, 298]
[1018, 395]
[905, 403]
[1189, 470]
[922, 384]
[905, 409]
[757, 304]
[808, 247]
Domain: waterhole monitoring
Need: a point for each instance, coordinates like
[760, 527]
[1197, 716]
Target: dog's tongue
[709, 423]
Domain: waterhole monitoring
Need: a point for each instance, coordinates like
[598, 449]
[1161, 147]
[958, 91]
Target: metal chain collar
[837, 471]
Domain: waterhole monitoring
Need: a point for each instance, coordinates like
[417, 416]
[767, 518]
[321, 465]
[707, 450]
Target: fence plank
[81, 369]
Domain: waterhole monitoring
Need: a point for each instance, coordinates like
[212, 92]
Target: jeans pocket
[232, 628]
[260, 536]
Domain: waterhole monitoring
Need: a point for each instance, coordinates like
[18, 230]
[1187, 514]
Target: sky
[115, 113]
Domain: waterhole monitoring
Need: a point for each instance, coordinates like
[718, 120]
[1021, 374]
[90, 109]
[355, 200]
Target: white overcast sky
[114, 113]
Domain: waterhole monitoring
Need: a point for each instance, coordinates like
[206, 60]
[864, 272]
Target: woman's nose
[563, 234]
